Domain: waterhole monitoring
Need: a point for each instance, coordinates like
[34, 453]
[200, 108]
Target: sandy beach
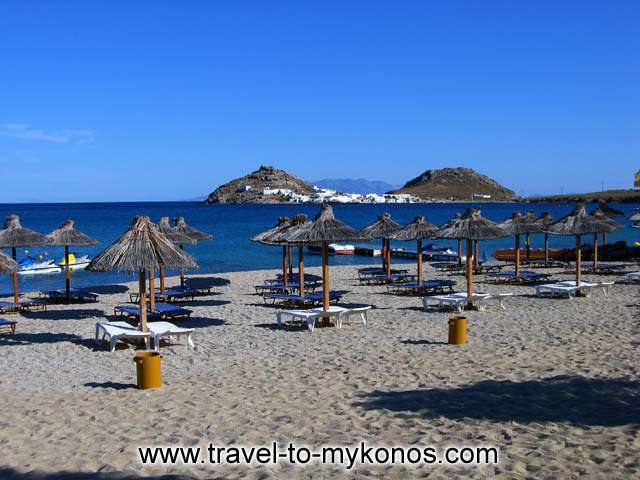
[552, 383]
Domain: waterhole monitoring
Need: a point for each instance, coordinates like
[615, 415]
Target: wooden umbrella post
[527, 246]
[517, 254]
[301, 269]
[152, 290]
[142, 288]
[383, 254]
[181, 271]
[578, 260]
[469, 273]
[595, 252]
[419, 257]
[459, 252]
[67, 273]
[546, 249]
[290, 260]
[161, 280]
[14, 278]
[388, 257]
[604, 244]
[476, 256]
[325, 276]
[285, 271]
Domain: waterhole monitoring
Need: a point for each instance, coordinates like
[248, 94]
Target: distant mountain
[355, 185]
[455, 184]
[248, 189]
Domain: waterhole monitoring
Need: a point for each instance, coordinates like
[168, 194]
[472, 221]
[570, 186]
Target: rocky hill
[249, 189]
[622, 196]
[455, 184]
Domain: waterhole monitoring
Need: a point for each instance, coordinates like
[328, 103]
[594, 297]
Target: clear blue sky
[119, 100]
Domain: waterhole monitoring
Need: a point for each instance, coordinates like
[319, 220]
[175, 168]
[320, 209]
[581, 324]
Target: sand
[552, 383]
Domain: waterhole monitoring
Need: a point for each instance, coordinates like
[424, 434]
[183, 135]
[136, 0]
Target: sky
[165, 100]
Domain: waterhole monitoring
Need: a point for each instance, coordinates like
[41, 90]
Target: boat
[75, 263]
[509, 254]
[37, 266]
[439, 254]
[334, 249]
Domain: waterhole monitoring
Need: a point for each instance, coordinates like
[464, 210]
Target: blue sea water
[233, 225]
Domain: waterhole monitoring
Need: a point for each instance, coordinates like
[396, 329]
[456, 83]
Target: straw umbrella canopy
[175, 236]
[471, 227]
[68, 236]
[608, 225]
[324, 228]
[456, 217]
[517, 225]
[142, 247]
[181, 226]
[384, 227]
[577, 223]
[14, 235]
[544, 221]
[265, 238]
[8, 264]
[419, 229]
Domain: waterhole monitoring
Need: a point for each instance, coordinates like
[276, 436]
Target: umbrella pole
[301, 269]
[578, 260]
[67, 275]
[546, 249]
[325, 276]
[419, 257]
[517, 256]
[181, 271]
[290, 260]
[604, 244]
[459, 252]
[469, 273]
[595, 252]
[14, 277]
[383, 254]
[285, 274]
[527, 246]
[152, 290]
[142, 289]
[162, 279]
[476, 257]
[388, 257]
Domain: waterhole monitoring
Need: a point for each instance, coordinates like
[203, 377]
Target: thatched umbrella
[607, 225]
[577, 223]
[544, 221]
[417, 230]
[265, 238]
[323, 229]
[142, 247]
[15, 235]
[471, 227]
[180, 224]
[383, 228]
[68, 236]
[517, 225]
[456, 218]
[175, 236]
[280, 238]
[8, 264]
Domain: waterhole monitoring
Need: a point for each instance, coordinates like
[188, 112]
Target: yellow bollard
[148, 369]
[457, 330]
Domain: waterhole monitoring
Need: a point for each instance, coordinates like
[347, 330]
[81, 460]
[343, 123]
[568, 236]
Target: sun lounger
[362, 312]
[570, 289]
[162, 310]
[166, 329]
[458, 300]
[115, 331]
[632, 277]
[365, 274]
[382, 279]
[310, 317]
[8, 326]
[431, 287]
[23, 306]
[306, 299]
[172, 293]
[307, 316]
[447, 266]
[524, 277]
[76, 295]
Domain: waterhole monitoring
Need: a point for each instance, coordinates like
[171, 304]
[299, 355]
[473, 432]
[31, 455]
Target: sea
[232, 227]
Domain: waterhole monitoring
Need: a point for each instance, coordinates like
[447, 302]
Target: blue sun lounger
[23, 306]
[306, 299]
[428, 287]
[524, 277]
[8, 326]
[77, 295]
[162, 310]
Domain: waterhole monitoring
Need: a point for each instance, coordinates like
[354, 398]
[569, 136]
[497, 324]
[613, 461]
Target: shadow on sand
[206, 282]
[107, 289]
[111, 385]
[67, 314]
[567, 399]
[7, 473]
[45, 338]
